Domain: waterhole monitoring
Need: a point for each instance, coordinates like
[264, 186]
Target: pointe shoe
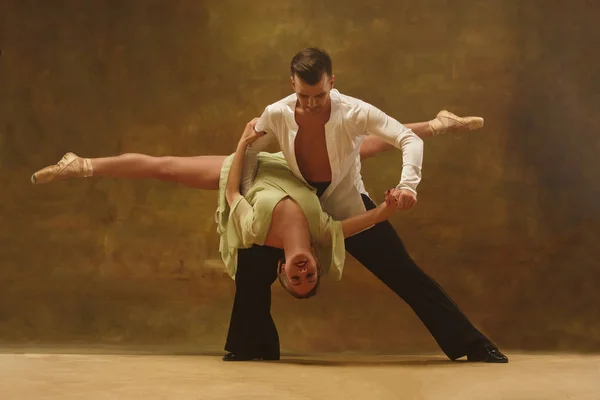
[70, 166]
[446, 122]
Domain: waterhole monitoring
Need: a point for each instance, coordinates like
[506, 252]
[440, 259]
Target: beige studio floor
[122, 376]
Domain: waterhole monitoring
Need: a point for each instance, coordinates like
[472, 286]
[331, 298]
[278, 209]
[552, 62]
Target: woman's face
[301, 274]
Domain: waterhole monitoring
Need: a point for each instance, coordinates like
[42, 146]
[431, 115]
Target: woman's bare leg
[421, 129]
[200, 172]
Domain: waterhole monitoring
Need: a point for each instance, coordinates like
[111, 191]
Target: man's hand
[403, 199]
[249, 135]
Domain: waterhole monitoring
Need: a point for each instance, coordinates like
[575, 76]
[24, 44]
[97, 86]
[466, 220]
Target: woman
[281, 211]
[278, 211]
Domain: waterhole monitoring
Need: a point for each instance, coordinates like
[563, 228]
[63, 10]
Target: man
[320, 131]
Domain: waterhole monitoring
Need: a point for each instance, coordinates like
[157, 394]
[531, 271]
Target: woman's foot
[70, 166]
[447, 122]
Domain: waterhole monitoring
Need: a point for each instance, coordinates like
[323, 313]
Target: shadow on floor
[357, 362]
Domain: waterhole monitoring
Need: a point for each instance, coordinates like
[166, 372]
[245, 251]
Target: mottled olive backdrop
[508, 217]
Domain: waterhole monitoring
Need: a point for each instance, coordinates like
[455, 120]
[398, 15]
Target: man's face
[313, 98]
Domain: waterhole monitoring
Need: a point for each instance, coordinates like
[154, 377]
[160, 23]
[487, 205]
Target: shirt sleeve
[264, 124]
[241, 217]
[393, 132]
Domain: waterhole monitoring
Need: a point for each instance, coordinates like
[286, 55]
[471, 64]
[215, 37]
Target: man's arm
[373, 145]
[444, 122]
[396, 134]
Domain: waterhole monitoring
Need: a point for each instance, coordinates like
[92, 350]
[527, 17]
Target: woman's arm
[232, 189]
[360, 222]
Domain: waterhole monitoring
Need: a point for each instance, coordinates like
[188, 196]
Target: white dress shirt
[350, 121]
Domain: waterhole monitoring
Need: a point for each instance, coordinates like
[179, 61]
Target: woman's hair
[285, 282]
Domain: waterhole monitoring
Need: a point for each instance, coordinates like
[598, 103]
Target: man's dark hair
[310, 64]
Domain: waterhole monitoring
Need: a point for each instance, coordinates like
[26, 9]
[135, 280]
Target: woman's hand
[388, 208]
[249, 135]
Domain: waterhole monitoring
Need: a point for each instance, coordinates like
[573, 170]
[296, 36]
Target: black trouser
[381, 251]
[252, 330]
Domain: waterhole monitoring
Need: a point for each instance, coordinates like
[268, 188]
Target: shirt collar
[335, 108]
[334, 117]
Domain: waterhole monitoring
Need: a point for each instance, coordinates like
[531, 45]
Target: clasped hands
[402, 199]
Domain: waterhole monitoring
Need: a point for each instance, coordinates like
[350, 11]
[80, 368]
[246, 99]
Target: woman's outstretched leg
[200, 172]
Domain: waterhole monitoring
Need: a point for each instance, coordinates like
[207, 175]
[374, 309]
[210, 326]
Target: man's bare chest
[310, 147]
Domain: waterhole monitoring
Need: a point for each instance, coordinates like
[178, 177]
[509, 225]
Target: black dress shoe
[247, 357]
[488, 353]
